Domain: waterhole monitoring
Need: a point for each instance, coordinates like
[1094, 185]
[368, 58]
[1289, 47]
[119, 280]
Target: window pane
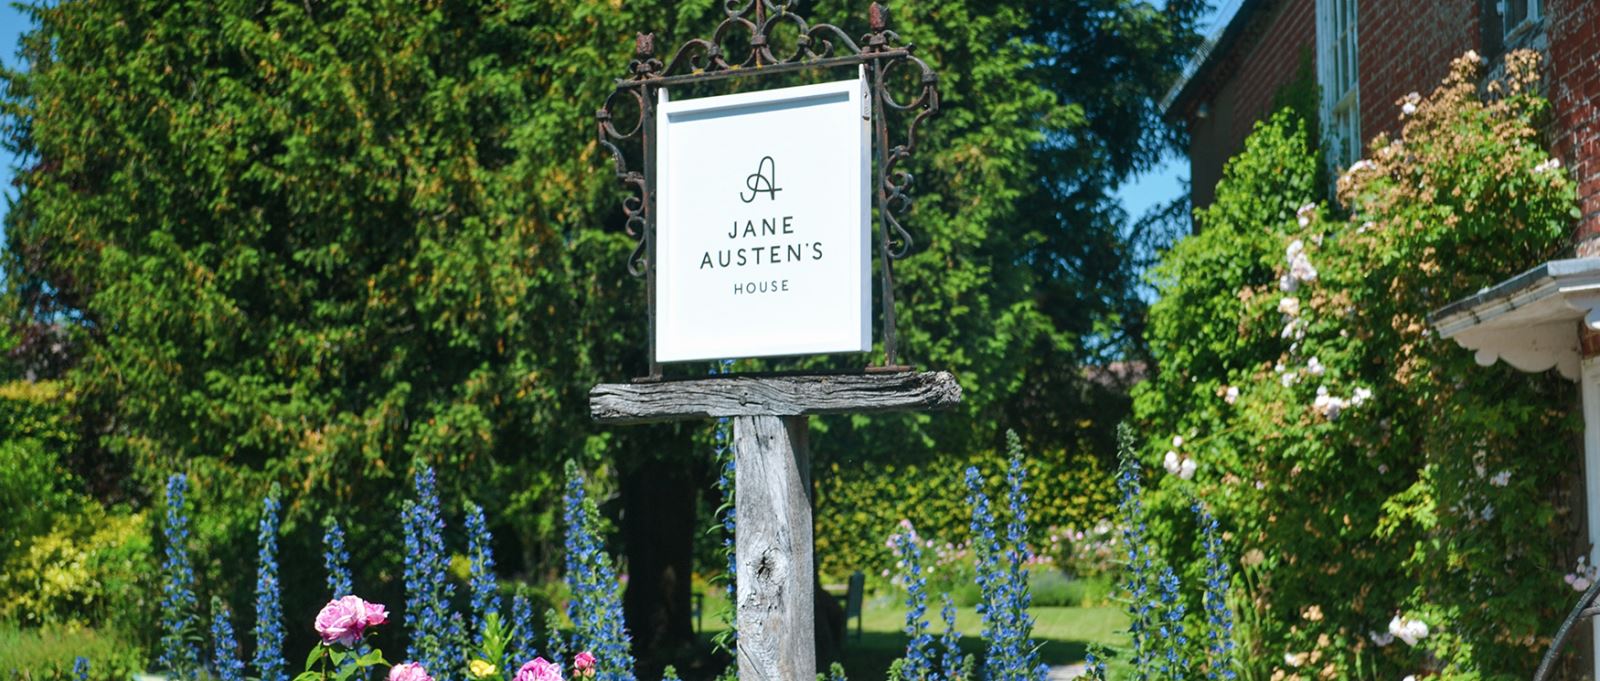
[1516, 13]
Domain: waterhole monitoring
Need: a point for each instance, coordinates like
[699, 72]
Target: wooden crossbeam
[719, 396]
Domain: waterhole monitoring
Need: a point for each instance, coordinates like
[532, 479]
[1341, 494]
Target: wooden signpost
[796, 172]
[772, 484]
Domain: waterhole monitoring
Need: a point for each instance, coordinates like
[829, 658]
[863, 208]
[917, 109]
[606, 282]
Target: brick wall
[1406, 46]
[1573, 30]
[1265, 59]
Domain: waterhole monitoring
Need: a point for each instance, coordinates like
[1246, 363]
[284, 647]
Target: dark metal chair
[1586, 609]
[852, 600]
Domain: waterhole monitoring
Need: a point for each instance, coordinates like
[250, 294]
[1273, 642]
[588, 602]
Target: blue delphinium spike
[485, 594]
[1219, 618]
[428, 589]
[988, 574]
[80, 668]
[554, 644]
[951, 638]
[919, 664]
[1002, 578]
[225, 662]
[522, 648]
[595, 607]
[269, 608]
[1130, 509]
[1175, 662]
[1019, 597]
[336, 559]
[1095, 662]
[178, 604]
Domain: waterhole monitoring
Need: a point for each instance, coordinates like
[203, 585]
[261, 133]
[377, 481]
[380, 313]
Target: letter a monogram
[763, 180]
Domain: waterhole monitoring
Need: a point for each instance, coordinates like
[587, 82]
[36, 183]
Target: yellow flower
[480, 669]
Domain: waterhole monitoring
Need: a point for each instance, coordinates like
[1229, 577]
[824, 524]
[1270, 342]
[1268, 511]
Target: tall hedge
[1394, 508]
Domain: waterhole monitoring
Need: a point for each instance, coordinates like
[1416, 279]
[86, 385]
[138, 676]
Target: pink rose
[344, 620]
[409, 671]
[539, 669]
[584, 663]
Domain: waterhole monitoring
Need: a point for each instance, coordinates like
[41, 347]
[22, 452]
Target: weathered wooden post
[753, 215]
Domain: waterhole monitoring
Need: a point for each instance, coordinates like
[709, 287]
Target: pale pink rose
[344, 620]
[583, 660]
[539, 669]
[409, 671]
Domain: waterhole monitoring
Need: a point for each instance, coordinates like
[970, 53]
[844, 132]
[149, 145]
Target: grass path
[1064, 634]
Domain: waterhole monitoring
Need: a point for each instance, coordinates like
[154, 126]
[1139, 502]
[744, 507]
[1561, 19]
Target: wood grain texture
[773, 396]
[777, 636]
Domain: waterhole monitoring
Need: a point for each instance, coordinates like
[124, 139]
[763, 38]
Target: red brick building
[1365, 55]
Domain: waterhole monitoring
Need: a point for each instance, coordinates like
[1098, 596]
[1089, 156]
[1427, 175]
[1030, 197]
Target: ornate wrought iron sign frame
[817, 46]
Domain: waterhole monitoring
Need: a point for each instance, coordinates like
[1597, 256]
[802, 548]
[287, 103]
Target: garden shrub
[1394, 508]
[66, 560]
[91, 568]
[33, 419]
[859, 505]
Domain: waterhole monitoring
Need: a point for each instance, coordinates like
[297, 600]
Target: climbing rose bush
[1394, 509]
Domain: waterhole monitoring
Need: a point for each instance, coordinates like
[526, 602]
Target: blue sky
[1161, 184]
[1165, 182]
[12, 24]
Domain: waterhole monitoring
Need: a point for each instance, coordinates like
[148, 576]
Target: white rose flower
[1186, 469]
[1304, 213]
[1409, 630]
[1231, 395]
[1170, 462]
[1289, 306]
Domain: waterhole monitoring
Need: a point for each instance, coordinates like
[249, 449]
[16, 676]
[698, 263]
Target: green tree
[311, 242]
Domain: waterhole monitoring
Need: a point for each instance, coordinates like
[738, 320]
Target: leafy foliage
[1377, 483]
[856, 504]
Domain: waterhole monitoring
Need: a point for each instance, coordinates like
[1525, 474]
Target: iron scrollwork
[816, 46]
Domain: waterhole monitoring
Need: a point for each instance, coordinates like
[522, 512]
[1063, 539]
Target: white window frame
[1339, 74]
[1530, 18]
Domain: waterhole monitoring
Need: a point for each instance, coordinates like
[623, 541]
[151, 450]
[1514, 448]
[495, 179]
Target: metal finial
[644, 45]
[877, 17]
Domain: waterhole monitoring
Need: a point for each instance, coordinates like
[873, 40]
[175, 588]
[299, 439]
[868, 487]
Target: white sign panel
[763, 224]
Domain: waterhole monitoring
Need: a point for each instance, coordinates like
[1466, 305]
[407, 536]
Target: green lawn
[1064, 634]
[43, 653]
